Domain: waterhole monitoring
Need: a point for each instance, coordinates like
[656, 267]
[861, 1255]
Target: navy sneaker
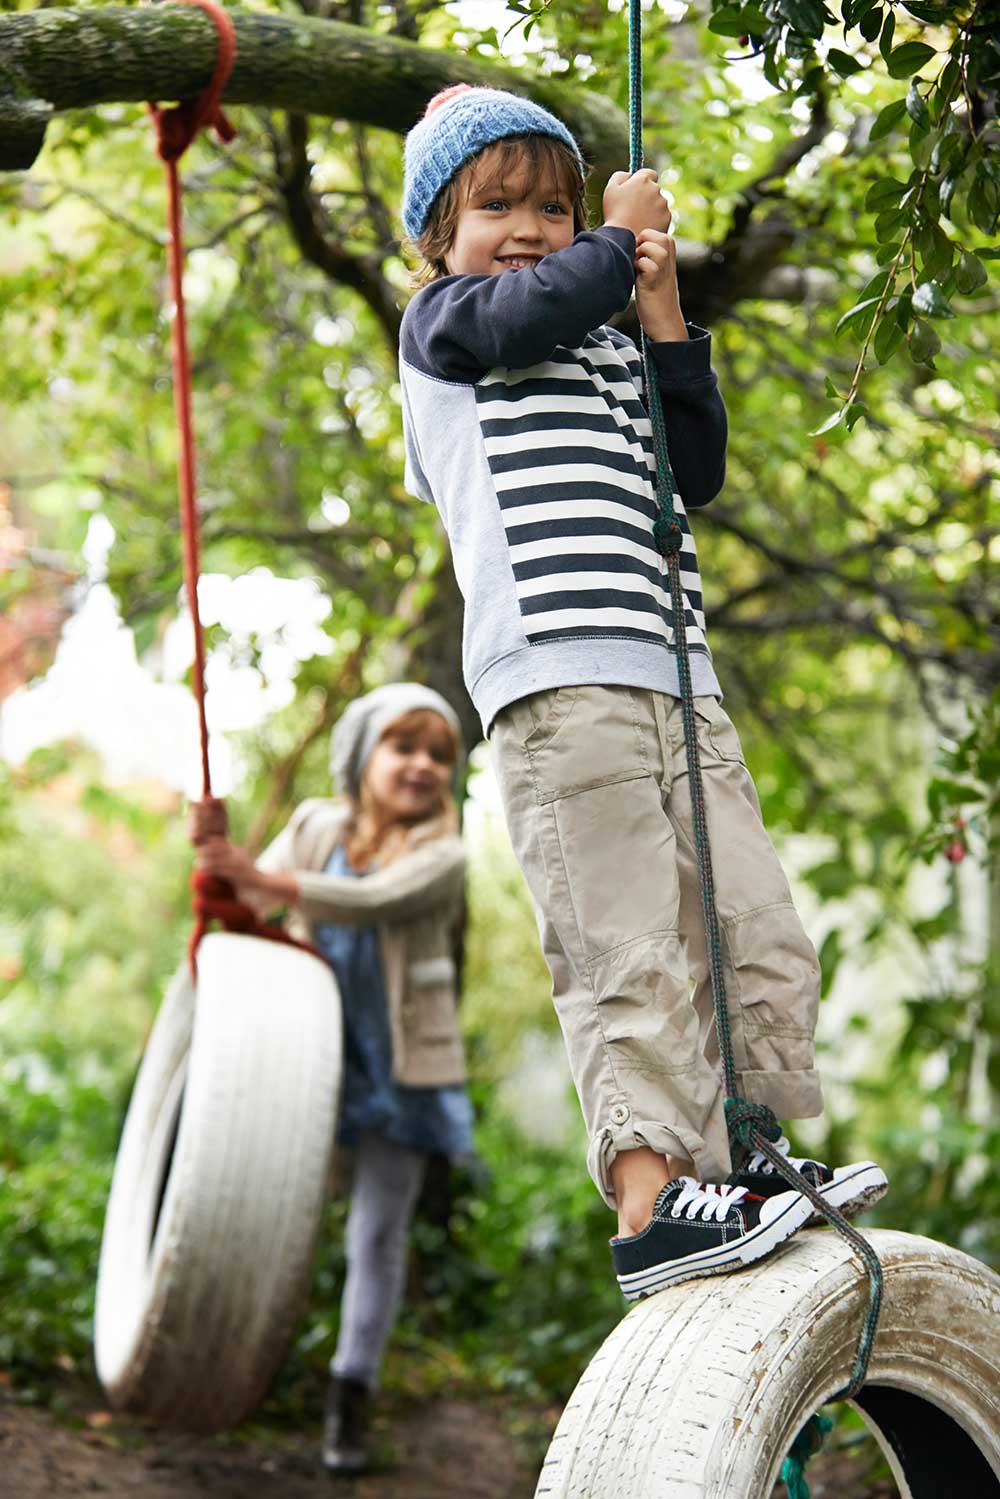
[703, 1230]
[853, 1189]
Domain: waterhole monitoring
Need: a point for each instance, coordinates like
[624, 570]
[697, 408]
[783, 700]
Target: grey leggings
[387, 1182]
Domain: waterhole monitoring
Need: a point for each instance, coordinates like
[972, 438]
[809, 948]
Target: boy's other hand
[657, 299]
[632, 200]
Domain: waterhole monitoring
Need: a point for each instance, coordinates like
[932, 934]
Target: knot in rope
[216, 900]
[177, 127]
[667, 535]
[746, 1119]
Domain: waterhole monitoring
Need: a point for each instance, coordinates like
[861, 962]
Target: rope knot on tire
[746, 1119]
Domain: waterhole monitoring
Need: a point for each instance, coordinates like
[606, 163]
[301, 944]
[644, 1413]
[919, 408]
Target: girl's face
[509, 226]
[410, 768]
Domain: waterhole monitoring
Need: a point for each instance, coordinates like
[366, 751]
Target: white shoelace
[706, 1202]
[759, 1162]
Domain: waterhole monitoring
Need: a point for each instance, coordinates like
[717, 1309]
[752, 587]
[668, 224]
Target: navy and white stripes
[569, 447]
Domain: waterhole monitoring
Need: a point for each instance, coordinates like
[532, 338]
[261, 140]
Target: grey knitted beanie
[361, 726]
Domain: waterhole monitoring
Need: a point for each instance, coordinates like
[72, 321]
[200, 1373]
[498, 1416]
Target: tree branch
[76, 58]
[361, 273]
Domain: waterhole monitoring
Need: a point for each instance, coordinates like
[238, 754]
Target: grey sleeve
[417, 882]
[459, 327]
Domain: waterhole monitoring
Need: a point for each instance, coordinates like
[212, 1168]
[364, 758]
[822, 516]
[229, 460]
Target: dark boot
[348, 1405]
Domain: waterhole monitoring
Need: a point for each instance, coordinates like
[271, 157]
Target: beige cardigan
[415, 902]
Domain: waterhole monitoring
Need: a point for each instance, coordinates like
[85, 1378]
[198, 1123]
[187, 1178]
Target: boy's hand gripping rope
[750, 1124]
[213, 899]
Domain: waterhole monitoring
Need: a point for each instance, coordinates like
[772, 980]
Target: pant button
[619, 1113]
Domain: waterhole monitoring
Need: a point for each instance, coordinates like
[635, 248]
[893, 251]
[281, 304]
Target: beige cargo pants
[595, 791]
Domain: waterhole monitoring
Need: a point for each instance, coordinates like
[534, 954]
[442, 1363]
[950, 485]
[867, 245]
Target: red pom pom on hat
[446, 95]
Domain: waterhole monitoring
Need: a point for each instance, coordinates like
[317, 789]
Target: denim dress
[437, 1121]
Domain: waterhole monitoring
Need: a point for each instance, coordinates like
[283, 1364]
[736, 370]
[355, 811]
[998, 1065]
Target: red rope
[214, 899]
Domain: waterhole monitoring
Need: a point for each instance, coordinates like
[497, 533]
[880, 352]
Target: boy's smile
[510, 225]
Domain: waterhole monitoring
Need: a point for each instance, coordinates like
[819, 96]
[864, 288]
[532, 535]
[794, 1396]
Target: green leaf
[831, 422]
[831, 879]
[808, 17]
[940, 14]
[921, 145]
[854, 413]
[730, 21]
[887, 190]
[830, 953]
[870, 24]
[887, 119]
[831, 389]
[908, 59]
[970, 273]
[888, 32]
[947, 192]
[888, 337]
[924, 343]
[888, 224]
[950, 75]
[949, 151]
[904, 310]
[935, 249]
[843, 63]
[887, 252]
[930, 300]
[982, 202]
[915, 106]
[859, 314]
[876, 286]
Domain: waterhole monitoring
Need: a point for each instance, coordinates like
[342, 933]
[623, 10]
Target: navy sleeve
[461, 326]
[695, 415]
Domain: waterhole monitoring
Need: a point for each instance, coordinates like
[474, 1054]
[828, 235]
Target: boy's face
[509, 225]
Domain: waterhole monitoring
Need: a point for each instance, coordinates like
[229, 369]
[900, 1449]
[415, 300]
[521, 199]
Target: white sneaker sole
[791, 1211]
[854, 1189]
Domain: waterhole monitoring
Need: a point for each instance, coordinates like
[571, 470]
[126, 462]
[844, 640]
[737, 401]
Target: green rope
[751, 1125]
[808, 1442]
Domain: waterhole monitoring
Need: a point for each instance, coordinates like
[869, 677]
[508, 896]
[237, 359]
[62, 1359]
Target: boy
[525, 425]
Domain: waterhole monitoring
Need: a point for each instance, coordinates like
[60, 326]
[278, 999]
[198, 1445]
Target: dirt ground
[429, 1449]
[437, 1448]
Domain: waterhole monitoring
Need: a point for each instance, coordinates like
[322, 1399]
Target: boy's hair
[542, 153]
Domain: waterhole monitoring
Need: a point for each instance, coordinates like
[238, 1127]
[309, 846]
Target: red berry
[955, 852]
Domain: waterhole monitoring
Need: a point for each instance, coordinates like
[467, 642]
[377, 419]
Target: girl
[375, 882]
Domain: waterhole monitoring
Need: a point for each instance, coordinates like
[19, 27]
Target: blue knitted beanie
[459, 123]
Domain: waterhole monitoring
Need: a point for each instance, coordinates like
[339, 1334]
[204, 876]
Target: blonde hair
[543, 153]
[367, 837]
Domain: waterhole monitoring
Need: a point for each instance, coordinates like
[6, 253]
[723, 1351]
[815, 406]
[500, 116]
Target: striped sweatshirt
[524, 424]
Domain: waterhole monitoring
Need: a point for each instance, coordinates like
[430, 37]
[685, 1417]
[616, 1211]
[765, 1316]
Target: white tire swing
[220, 1184]
[700, 1391]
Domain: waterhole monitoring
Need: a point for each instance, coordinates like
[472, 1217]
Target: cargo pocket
[721, 731]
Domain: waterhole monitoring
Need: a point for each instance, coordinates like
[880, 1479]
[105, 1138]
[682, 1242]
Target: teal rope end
[808, 1442]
